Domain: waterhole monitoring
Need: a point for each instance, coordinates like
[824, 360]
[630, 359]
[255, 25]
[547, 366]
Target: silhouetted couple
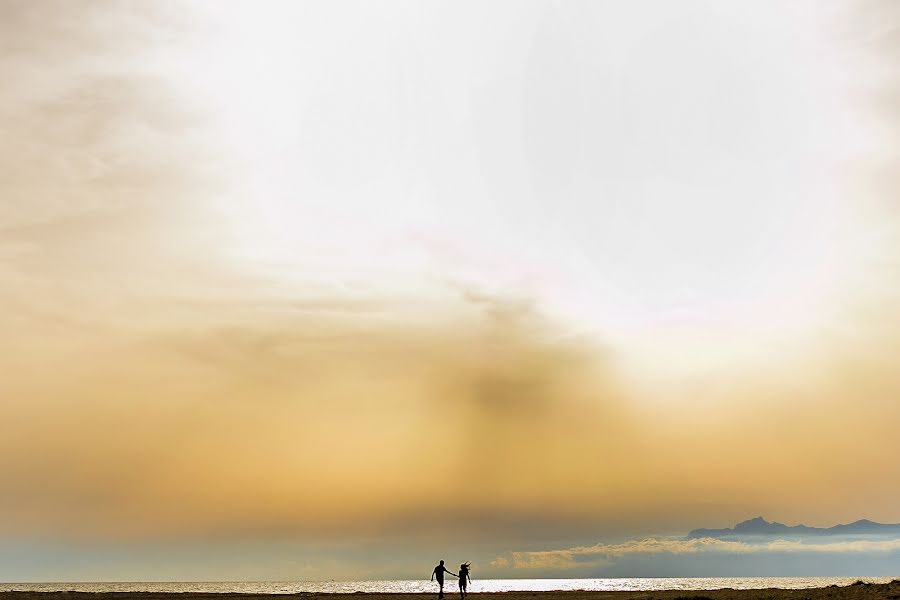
[463, 577]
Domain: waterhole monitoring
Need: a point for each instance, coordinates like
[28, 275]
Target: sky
[314, 290]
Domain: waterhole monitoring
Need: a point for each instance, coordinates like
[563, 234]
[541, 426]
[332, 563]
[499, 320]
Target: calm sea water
[486, 585]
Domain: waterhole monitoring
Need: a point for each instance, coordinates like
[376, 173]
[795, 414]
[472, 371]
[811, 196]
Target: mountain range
[760, 527]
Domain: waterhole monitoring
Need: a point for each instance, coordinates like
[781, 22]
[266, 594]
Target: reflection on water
[485, 585]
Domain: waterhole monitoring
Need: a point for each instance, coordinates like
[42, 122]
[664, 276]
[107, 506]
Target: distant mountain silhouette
[761, 527]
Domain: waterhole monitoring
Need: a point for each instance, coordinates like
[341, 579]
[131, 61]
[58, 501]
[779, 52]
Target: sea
[644, 584]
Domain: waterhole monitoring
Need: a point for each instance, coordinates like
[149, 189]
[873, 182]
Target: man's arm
[432, 574]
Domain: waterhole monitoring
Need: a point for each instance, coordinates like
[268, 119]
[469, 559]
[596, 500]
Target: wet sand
[859, 591]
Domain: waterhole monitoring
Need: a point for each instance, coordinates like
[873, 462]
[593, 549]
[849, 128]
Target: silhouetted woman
[463, 579]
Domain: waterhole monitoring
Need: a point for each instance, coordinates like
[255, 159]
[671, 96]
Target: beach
[859, 591]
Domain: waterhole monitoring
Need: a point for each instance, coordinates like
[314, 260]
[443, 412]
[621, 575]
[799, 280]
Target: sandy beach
[860, 591]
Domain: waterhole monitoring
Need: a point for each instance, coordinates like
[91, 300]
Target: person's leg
[441, 591]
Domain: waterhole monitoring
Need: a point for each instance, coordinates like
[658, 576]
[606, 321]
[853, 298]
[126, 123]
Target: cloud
[274, 424]
[89, 126]
[601, 554]
[154, 384]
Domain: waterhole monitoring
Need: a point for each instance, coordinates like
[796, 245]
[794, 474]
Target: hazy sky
[316, 289]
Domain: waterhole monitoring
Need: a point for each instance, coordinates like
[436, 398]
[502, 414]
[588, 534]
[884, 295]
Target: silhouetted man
[439, 573]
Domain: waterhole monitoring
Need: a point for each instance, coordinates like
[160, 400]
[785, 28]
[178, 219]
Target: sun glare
[692, 248]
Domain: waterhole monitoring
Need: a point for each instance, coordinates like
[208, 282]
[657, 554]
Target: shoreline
[854, 591]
